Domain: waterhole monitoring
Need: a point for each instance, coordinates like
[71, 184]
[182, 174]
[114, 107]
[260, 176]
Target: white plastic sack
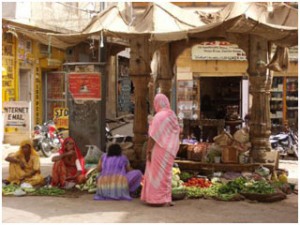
[93, 155]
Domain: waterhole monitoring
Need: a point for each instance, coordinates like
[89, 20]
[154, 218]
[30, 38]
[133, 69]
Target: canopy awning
[163, 21]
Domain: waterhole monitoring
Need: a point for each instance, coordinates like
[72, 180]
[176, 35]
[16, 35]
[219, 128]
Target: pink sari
[164, 130]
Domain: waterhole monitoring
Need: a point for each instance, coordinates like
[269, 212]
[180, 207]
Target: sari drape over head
[16, 173]
[65, 168]
[164, 130]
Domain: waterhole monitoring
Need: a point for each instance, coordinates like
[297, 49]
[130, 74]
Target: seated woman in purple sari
[117, 180]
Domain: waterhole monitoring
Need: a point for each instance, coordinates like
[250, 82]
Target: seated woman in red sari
[24, 166]
[68, 168]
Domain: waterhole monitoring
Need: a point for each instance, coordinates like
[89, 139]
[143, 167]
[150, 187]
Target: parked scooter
[285, 143]
[47, 138]
[115, 138]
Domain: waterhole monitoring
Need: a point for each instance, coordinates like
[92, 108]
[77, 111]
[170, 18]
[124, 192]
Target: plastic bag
[262, 171]
[224, 138]
[242, 135]
[93, 155]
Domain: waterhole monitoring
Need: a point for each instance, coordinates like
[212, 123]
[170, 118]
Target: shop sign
[293, 53]
[218, 51]
[37, 96]
[124, 95]
[17, 116]
[222, 50]
[85, 86]
[61, 117]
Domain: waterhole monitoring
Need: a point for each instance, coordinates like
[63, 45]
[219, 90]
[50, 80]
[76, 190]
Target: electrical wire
[74, 7]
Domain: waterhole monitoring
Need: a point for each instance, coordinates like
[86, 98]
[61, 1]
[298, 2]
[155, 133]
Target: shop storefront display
[257, 186]
[55, 93]
[284, 103]
[187, 101]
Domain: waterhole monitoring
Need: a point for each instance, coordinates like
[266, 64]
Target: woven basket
[278, 196]
[178, 196]
[197, 152]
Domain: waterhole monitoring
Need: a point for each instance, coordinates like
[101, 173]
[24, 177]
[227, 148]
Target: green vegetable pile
[258, 187]
[49, 191]
[197, 192]
[233, 187]
[9, 189]
[231, 190]
[91, 184]
[185, 176]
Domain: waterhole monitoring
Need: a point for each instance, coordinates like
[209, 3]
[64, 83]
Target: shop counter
[215, 167]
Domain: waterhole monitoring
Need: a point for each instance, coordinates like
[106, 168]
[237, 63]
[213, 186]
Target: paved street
[35, 209]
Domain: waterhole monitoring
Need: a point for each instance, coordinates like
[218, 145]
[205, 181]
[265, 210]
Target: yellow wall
[16, 55]
[9, 68]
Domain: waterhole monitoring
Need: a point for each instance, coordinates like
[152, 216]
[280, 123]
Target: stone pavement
[83, 209]
[44, 209]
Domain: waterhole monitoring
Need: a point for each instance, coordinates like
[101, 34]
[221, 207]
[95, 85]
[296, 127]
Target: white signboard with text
[222, 50]
[218, 51]
[17, 116]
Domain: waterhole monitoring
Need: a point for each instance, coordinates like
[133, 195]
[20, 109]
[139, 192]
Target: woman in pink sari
[163, 145]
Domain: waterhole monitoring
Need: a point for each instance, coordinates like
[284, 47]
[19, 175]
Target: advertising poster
[61, 118]
[85, 86]
[17, 116]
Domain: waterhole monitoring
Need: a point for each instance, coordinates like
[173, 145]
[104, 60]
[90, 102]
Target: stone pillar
[260, 85]
[165, 73]
[140, 75]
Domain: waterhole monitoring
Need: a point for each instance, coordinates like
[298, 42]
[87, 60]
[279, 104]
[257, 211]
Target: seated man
[24, 166]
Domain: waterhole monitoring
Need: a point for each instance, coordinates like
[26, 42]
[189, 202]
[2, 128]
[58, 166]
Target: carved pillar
[165, 74]
[140, 75]
[261, 80]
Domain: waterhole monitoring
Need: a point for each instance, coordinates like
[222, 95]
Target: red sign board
[85, 86]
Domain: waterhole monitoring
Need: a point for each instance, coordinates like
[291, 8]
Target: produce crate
[229, 154]
[197, 152]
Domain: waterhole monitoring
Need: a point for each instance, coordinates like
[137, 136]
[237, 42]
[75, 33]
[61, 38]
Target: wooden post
[164, 71]
[261, 80]
[140, 75]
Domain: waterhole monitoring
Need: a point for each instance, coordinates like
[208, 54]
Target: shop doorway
[217, 94]
[25, 85]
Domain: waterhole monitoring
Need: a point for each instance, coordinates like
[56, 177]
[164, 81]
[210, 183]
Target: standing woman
[68, 166]
[163, 145]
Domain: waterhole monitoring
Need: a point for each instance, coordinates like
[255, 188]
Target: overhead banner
[17, 116]
[85, 86]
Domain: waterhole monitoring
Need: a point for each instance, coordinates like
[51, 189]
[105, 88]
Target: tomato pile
[197, 182]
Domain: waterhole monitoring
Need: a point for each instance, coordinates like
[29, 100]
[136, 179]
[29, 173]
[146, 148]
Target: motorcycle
[46, 138]
[285, 143]
[115, 138]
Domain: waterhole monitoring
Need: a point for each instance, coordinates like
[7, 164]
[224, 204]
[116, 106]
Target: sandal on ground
[6, 182]
[161, 204]
[170, 204]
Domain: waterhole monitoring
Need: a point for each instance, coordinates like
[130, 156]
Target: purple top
[113, 165]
